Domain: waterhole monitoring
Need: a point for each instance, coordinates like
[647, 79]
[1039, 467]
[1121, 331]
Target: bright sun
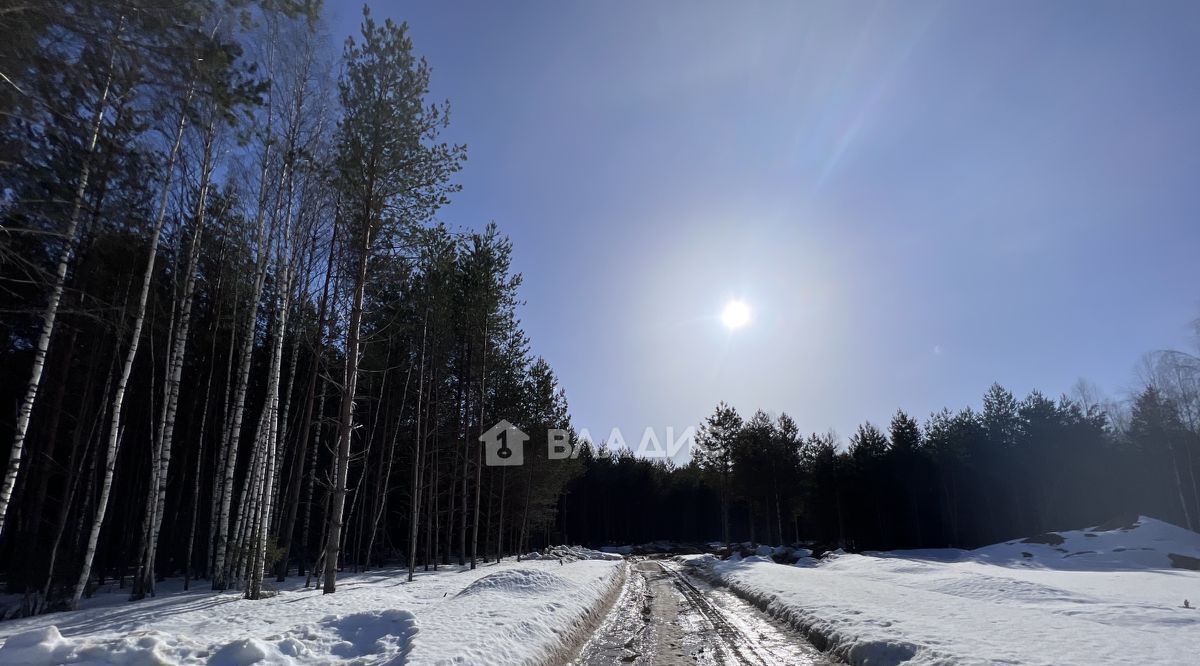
[735, 315]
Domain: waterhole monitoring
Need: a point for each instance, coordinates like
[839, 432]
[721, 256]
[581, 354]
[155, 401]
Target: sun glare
[735, 315]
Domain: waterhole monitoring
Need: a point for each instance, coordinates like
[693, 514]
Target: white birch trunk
[158, 490]
[218, 471]
[234, 424]
[25, 412]
[115, 427]
[271, 418]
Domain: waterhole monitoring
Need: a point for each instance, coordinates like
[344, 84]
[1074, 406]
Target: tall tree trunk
[500, 522]
[236, 554]
[283, 431]
[418, 462]
[433, 535]
[44, 472]
[204, 420]
[115, 427]
[346, 417]
[219, 470]
[235, 415]
[268, 441]
[450, 502]
[479, 449]
[158, 490]
[465, 452]
[284, 276]
[271, 421]
[487, 530]
[310, 484]
[381, 495]
[49, 316]
[74, 467]
[233, 426]
[725, 503]
[191, 542]
[525, 512]
[1187, 515]
[316, 570]
[302, 447]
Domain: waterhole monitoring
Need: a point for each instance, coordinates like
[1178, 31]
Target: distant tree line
[236, 343]
[964, 479]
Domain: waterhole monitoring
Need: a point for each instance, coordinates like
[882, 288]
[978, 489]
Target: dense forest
[977, 476]
[237, 341]
[238, 344]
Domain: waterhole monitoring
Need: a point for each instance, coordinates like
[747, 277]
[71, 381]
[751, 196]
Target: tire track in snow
[664, 617]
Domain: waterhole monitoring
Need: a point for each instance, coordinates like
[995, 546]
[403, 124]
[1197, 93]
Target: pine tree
[392, 175]
[716, 442]
[905, 436]
[1156, 429]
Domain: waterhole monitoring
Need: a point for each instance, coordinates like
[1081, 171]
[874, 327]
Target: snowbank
[572, 554]
[1082, 597]
[37, 646]
[527, 612]
[518, 615]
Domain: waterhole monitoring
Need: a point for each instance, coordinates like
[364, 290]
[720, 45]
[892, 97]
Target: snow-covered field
[513, 612]
[1096, 597]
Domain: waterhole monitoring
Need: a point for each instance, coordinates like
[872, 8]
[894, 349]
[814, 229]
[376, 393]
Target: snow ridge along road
[1110, 594]
[667, 617]
[529, 612]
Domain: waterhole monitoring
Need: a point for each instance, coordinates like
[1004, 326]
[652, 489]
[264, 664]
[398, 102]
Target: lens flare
[735, 315]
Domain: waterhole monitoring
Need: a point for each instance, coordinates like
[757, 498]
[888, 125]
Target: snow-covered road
[665, 616]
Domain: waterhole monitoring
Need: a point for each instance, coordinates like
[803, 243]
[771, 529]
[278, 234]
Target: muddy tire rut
[665, 617]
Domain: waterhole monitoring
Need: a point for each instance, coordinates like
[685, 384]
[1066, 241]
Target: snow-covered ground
[510, 613]
[1097, 597]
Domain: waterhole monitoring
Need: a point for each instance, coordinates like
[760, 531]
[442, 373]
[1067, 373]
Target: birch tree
[50, 314]
[202, 56]
[235, 412]
[115, 424]
[222, 90]
[297, 148]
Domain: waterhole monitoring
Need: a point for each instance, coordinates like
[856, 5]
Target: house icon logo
[504, 444]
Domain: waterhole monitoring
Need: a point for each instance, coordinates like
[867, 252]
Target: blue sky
[916, 199]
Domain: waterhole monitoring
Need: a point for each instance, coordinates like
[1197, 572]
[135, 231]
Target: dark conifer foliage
[211, 247]
[961, 479]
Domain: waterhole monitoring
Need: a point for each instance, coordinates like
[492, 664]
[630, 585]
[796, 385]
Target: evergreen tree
[1157, 431]
[392, 175]
[716, 442]
[910, 471]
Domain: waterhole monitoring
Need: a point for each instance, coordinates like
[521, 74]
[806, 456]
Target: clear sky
[916, 199]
